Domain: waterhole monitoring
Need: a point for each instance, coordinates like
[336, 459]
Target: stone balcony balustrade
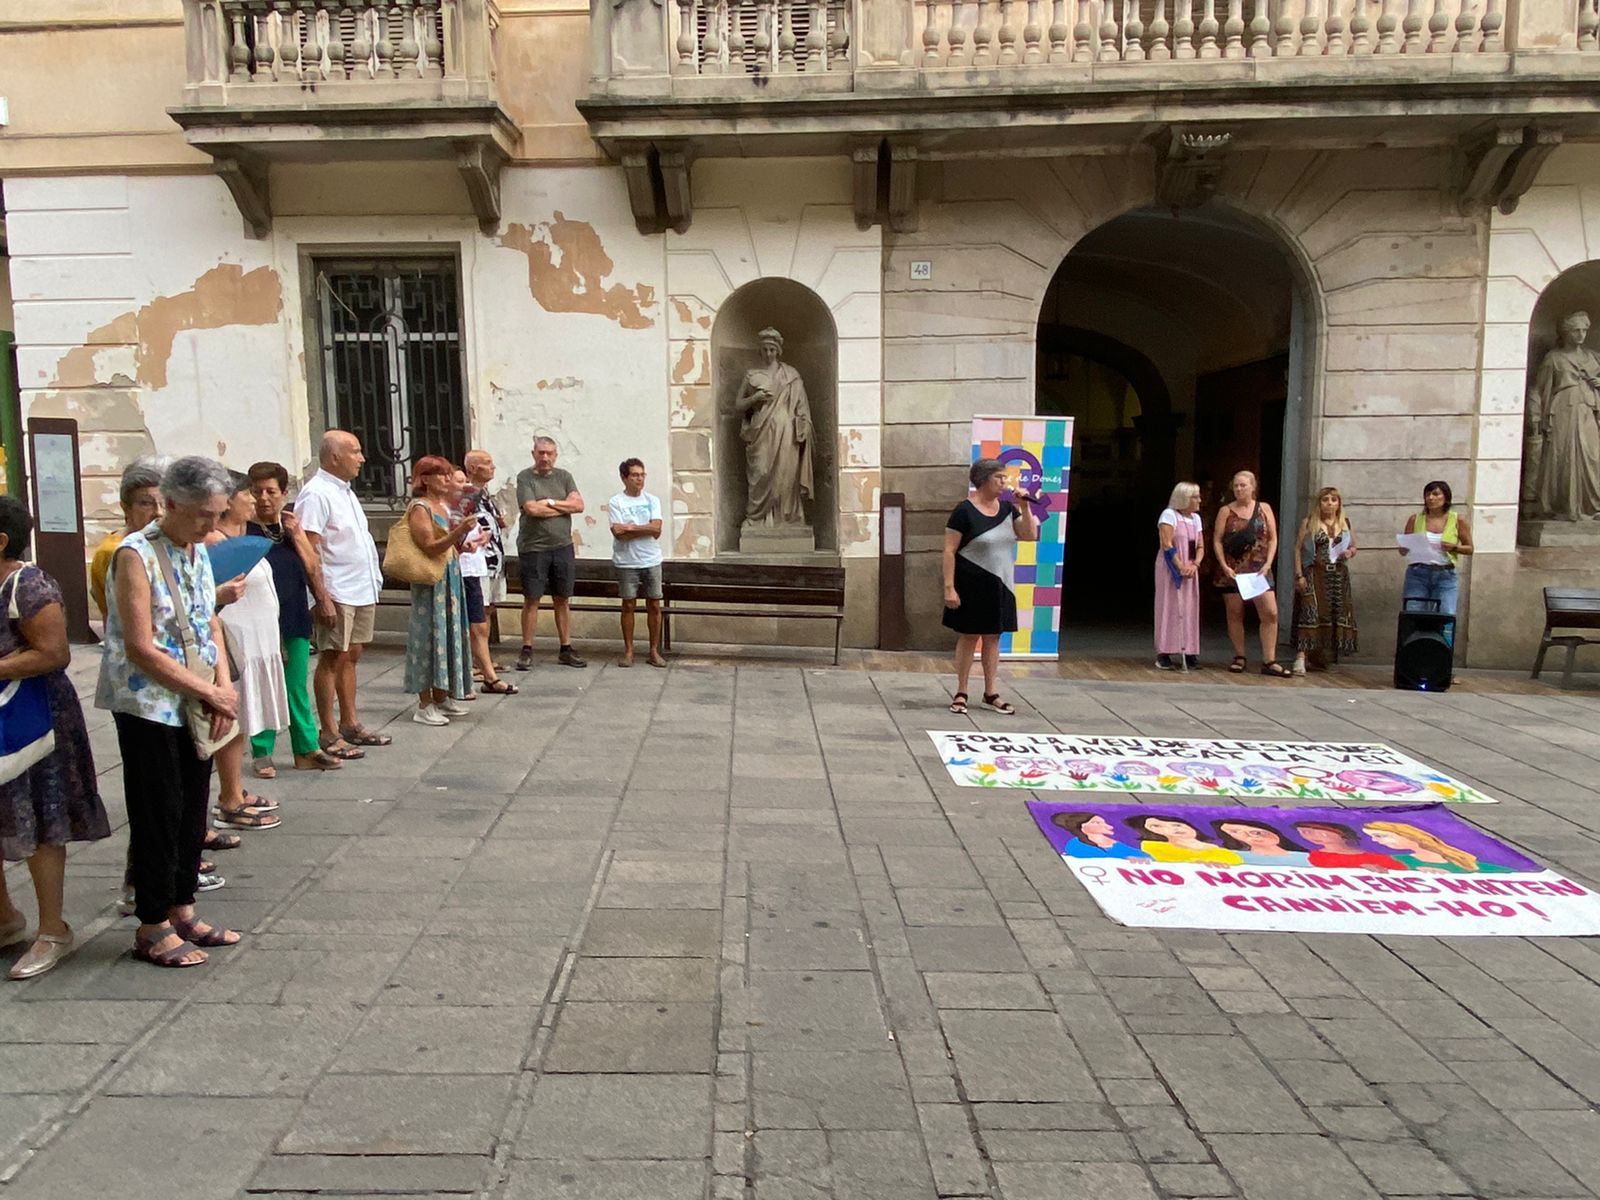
[892, 81]
[273, 81]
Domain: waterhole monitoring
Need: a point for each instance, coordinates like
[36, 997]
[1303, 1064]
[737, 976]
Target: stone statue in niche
[775, 425]
[1561, 466]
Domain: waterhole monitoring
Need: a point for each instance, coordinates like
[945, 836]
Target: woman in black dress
[980, 555]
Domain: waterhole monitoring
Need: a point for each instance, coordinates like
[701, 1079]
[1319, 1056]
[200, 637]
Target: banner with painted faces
[1392, 869]
[1062, 762]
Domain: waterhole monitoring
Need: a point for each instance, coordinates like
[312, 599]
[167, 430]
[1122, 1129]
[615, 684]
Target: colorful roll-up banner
[1039, 452]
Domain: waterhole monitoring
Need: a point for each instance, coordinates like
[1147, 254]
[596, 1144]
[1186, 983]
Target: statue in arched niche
[1562, 463]
[775, 425]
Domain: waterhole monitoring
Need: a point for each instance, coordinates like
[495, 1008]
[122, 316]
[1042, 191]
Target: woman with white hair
[1178, 561]
[147, 684]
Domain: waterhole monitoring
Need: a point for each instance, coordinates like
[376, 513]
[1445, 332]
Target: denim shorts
[472, 589]
[633, 582]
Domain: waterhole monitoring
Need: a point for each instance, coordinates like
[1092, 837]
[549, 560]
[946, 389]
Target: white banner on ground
[1337, 771]
[1192, 896]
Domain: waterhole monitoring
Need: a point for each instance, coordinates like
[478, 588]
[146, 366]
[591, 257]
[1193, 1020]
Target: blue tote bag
[27, 733]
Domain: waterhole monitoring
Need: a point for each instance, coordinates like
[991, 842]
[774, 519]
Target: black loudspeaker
[1424, 648]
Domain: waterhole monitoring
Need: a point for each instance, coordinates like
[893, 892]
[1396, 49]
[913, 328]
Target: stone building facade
[1306, 238]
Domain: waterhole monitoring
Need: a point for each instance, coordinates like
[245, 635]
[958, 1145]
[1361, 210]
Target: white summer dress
[251, 624]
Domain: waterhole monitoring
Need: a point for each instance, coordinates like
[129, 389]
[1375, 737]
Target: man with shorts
[636, 553]
[548, 498]
[331, 517]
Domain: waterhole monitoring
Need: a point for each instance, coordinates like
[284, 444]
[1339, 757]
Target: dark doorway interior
[1166, 339]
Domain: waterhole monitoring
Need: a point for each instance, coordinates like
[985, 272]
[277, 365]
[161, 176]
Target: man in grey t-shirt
[548, 498]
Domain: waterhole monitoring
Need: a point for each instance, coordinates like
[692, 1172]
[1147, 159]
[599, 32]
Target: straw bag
[404, 560]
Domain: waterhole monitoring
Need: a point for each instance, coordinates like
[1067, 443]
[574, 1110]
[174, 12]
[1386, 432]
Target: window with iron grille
[392, 370]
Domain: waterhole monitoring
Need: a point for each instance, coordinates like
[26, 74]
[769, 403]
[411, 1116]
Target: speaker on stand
[1424, 648]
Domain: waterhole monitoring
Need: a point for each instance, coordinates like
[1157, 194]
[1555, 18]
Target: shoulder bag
[195, 715]
[1238, 543]
[404, 560]
[27, 733]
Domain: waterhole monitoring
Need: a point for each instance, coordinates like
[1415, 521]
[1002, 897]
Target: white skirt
[251, 624]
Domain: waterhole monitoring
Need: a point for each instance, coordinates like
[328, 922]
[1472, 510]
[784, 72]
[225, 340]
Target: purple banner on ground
[1395, 869]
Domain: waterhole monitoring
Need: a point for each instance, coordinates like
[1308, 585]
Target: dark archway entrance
[1168, 338]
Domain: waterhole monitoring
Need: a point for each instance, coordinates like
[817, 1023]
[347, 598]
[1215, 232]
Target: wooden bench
[1568, 608]
[737, 589]
[694, 589]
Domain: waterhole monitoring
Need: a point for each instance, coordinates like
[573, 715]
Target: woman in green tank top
[1449, 531]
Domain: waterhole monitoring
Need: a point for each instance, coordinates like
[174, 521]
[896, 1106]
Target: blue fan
[235, 556]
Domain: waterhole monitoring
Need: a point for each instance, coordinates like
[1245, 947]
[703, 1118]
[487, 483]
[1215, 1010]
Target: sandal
[1277, 670]
[992, 700]
[259, 803]
[1236, 667]
[344, 752]
[144, 950]
[958, 704]
[243, 818]
[207, 937]
[262, 768]
[317, 760]
[499, 687]
[222, 841]
[365, 737]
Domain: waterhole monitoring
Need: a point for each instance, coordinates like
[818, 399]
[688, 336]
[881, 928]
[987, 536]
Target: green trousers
[302, 719]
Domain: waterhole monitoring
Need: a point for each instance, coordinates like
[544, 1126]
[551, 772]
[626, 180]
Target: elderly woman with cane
[980, 556]
[1183, 548]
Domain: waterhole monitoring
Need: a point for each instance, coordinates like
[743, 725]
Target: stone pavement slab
[729, 931]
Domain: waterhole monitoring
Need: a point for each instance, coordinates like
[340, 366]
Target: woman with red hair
[438, 660]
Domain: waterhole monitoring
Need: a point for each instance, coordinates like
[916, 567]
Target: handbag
[195, 716]
[1237, 544]
[404, 560]
[27, 732]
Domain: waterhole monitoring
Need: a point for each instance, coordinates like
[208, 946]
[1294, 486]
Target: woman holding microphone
[980, 554]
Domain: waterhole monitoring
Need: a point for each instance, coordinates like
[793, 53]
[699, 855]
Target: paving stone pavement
[729, 932]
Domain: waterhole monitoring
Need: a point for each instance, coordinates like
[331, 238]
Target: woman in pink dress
[1178, 580]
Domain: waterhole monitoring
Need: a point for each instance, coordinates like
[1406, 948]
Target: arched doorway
[1177, 342]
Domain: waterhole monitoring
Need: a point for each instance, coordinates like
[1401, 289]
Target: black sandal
[499, 687]
[1236, 667]
[207, 937]
[958, 704]
[1277, 670]
[221, 841]
[143, 951]
[992, 700]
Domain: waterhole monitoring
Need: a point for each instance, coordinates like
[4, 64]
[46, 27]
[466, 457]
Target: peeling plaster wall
[790, 219]
[144, 313]
[1396, 278]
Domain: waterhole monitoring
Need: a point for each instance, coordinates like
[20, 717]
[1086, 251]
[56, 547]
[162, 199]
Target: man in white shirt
[331, 516]
[636, 553]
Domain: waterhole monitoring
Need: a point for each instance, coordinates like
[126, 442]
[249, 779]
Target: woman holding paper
[1178, 579]
[1324, 609]
[1448, 537]
[980, 555]
[1245, 539]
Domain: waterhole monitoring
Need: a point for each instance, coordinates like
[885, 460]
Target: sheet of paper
[1338, 546]
[1419, 549]
[1252, 584]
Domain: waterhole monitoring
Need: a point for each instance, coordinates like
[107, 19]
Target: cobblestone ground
[730, 932]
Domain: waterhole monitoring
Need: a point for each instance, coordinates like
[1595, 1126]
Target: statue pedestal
[1584, 532]
[766, 541]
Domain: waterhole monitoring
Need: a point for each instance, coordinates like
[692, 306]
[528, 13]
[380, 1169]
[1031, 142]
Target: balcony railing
[252, 52]
[325, 80]
[737, 46]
